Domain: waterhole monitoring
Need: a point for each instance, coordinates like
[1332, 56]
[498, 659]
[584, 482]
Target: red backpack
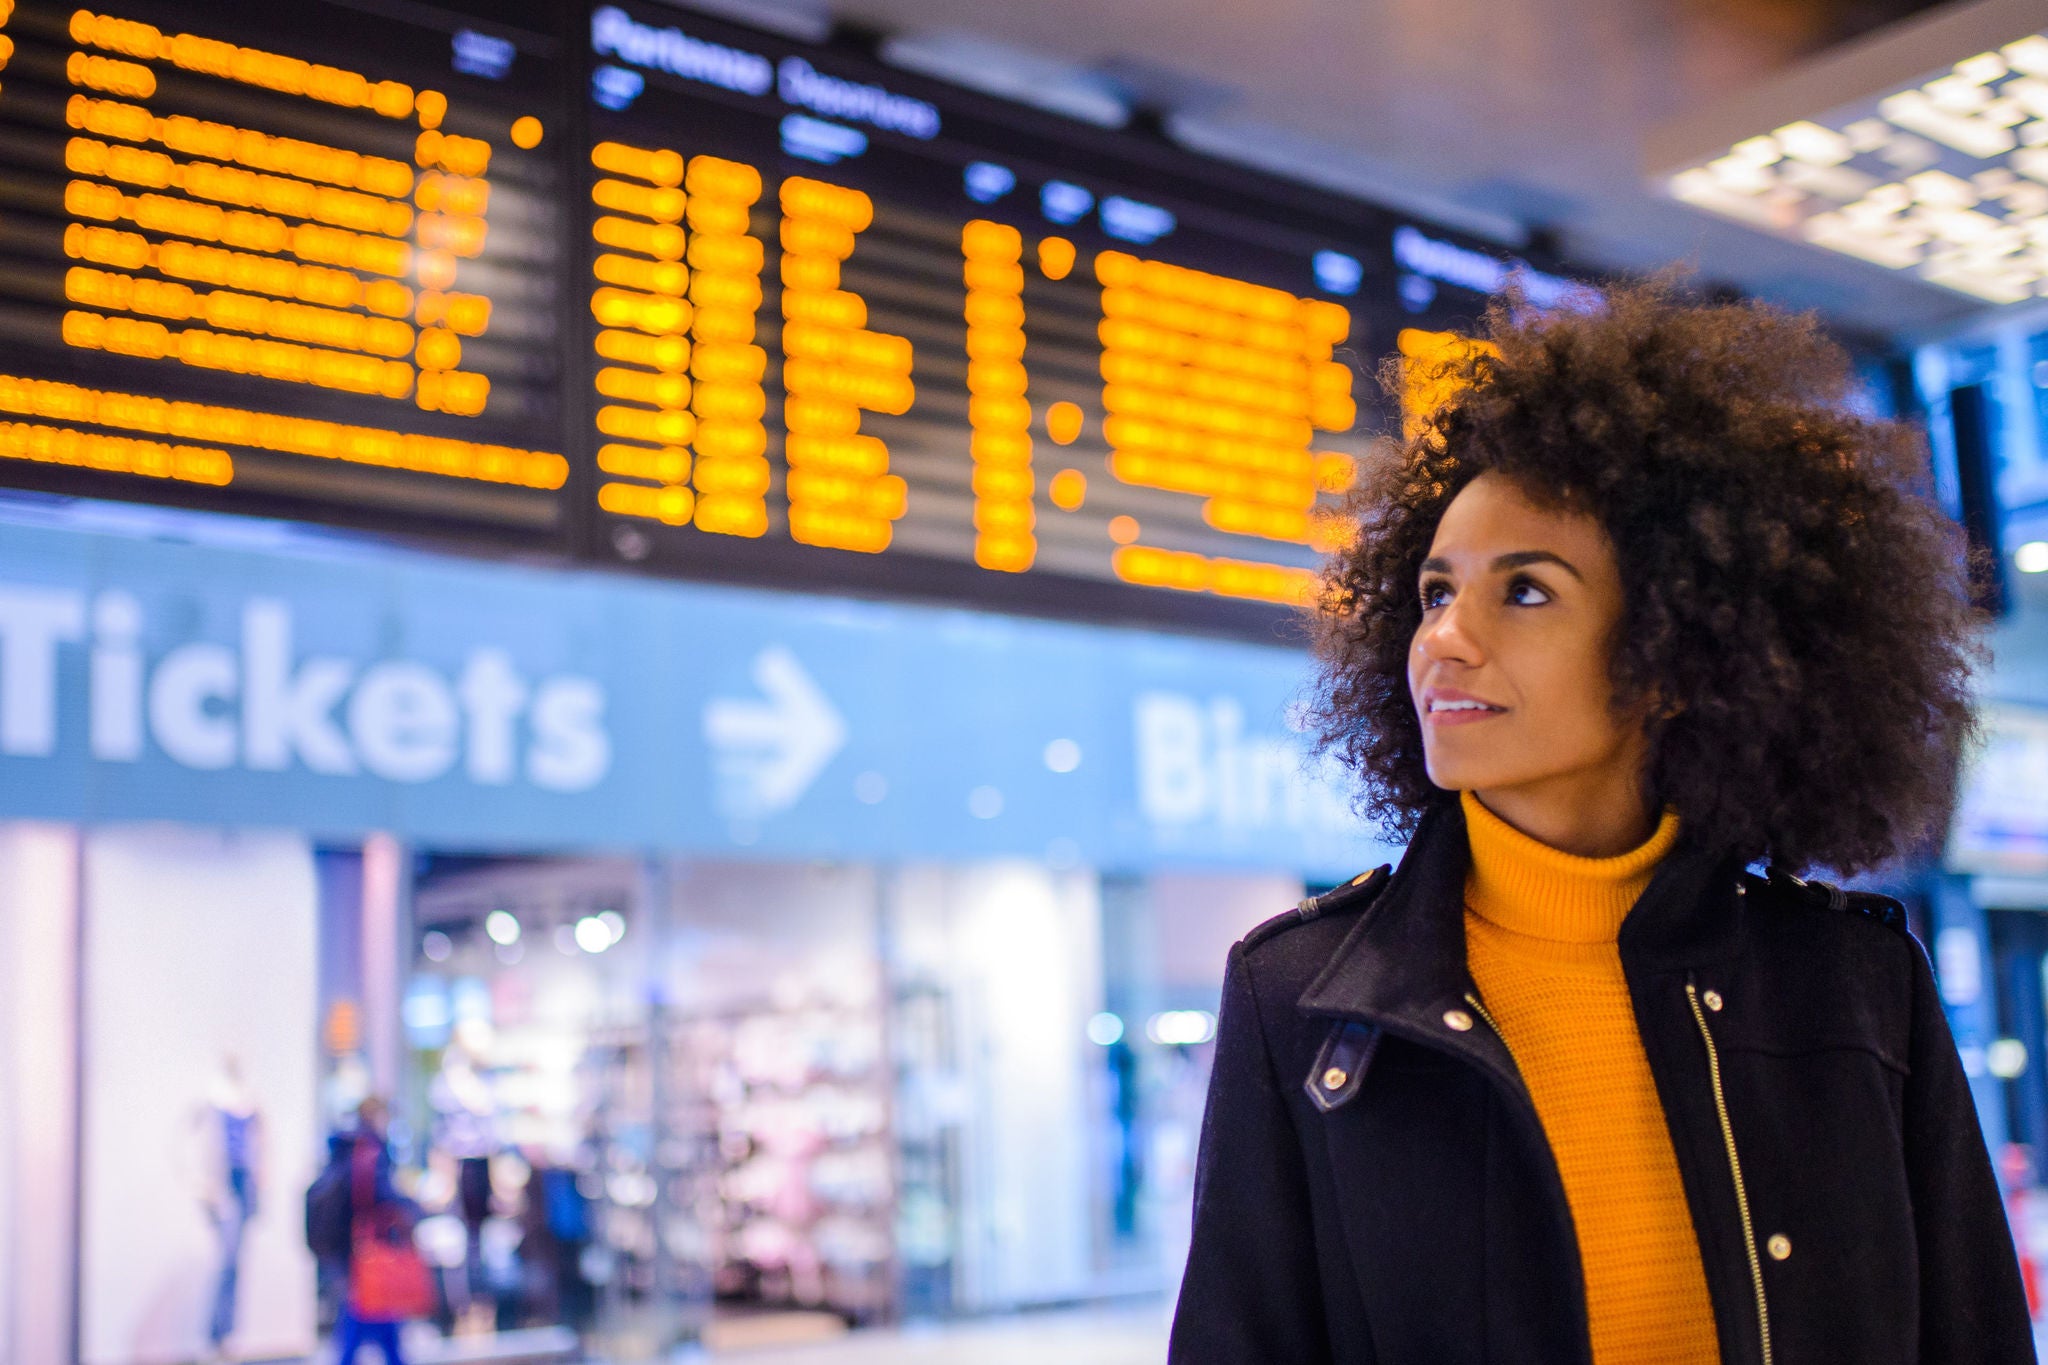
[388, 1281]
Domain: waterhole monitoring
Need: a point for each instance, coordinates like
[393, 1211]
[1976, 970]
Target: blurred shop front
[1990, 947]
[742, 966]
[1985, 394]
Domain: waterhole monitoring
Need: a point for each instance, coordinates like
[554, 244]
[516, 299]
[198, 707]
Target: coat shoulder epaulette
[1349, 898]
[1870, 904]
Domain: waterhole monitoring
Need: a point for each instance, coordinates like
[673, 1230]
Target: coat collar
[1405, 958]
[1403, 963]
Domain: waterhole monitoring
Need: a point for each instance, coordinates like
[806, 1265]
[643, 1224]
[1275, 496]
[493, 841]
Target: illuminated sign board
[757, 311]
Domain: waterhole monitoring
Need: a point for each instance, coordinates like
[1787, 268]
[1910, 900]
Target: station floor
[1097, 1336]
[1123, 1336]
[1088, 1337]
[1130, 1333]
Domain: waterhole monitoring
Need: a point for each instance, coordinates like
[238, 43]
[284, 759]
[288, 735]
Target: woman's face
[1509, 667]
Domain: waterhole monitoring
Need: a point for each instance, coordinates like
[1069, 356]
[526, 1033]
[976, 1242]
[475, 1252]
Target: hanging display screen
[852, 325]
[631, 284]
[284, 258]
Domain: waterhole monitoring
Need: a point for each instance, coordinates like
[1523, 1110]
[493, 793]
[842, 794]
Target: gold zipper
[1479, 1008]
[1756, 1268]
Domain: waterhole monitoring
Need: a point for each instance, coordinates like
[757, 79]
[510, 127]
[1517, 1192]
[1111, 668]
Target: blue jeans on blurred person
[351, 1333]
[232, 1223]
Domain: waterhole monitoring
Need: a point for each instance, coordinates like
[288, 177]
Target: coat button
[1334, 1078]
[1457, 1021]
[1780, 1246]
[1712, 1000]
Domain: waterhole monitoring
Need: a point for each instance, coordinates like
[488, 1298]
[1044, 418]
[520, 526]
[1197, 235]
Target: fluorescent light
[2006, 1058]
[1924, 151]
[593, 935]
[1181, 1028]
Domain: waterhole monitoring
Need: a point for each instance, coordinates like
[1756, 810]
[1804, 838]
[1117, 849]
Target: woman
[1640, 606]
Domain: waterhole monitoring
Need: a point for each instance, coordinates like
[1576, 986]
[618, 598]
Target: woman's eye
[1525, 592]
[1435, 595]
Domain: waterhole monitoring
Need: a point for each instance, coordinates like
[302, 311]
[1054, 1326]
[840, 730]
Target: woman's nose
[1448, 638]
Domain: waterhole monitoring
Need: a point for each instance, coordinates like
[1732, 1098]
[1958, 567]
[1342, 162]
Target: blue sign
[614, 33]
[475, 706]
[1430, 258]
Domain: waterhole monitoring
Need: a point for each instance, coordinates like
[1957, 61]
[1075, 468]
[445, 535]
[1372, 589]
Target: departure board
[284, 258]
[851, 327]
[857, 327]
[626, 284]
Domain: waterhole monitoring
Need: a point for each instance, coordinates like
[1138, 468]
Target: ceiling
[1496, 117]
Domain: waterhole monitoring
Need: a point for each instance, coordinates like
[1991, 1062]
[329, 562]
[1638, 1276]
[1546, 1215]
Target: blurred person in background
[554, 1228]
[355, 1192]
[232, 1122]
[1640, 605]
[464, 1132]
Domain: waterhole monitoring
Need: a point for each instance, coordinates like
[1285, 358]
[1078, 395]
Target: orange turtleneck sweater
[1540, 937]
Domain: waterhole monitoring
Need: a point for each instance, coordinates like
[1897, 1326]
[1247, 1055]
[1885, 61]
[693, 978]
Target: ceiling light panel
[1945, 178]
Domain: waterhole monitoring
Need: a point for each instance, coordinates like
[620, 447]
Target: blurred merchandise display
[614, 1153]
[649, 1102]
[798, 1105]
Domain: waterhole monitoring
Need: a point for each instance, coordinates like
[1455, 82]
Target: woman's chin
[1453, 778]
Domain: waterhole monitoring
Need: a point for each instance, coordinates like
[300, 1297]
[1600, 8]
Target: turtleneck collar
[1527, 887]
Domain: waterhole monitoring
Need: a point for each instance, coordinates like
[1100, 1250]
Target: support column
[39, 1093]
[387, 914]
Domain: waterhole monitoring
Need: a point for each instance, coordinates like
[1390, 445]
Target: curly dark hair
[1797, 624]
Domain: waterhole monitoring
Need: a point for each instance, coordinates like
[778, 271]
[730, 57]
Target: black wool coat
[1374, 1185]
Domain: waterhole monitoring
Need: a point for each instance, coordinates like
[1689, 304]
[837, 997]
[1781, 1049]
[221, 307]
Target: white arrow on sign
[769, 750]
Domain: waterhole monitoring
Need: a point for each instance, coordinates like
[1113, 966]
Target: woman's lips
[1444, 719]
[1444, 711]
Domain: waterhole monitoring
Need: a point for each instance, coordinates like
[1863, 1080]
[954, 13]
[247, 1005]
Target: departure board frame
[750, 309]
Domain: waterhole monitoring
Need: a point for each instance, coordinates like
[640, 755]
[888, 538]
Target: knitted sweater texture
[1541, 930]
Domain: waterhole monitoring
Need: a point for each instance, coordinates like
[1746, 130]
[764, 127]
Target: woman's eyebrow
[1520, 558]
[1514, 559]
